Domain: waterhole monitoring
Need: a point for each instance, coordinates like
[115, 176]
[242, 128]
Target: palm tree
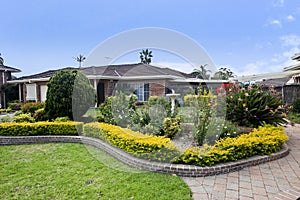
[201, 72]
[80, 59]
[145, 56]
[224, 74]
[1, 60]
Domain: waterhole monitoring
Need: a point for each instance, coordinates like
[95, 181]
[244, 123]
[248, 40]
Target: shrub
[40, 115]
[296, 106]
[62, 119]
[262, 141]
[171, 127]
[63, 86]
[7, 110]
[40, 128]
[122, 107]
[252, 107]
[126, 139]
[15, 105]
[105, 112]
[5, 118]
[32, 107]
[23, 118]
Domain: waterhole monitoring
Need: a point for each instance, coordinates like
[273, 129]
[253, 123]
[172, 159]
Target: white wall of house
[31, 92]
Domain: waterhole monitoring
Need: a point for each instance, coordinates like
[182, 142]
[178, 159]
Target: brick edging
[178, 169]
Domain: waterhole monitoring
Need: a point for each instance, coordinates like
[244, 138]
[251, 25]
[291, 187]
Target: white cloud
[275, 22]
[290, 18]
[290, 40]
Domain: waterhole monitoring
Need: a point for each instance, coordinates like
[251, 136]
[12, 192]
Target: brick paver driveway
[279, 179]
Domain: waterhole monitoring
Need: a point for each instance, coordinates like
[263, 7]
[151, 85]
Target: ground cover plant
[69, 171]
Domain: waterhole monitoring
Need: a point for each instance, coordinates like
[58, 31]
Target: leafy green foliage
[23, 118]
[15, 105]
[32, 107]
[146, 56]
[67, 89]
[62, 119]
[296, 106]
[171, 127]
[40, 115]
[40, 128]
[252, 107]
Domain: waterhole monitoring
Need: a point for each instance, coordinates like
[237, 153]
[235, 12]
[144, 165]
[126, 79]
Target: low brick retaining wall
[178, 169]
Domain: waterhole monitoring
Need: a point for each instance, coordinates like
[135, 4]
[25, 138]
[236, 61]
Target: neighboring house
[286, 82]
[5, 76]
[142, 79]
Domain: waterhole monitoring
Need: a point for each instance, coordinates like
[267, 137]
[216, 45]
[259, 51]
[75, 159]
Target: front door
[100, 93]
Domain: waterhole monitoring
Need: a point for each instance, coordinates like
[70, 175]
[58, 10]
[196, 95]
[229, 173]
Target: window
[139, 89]
[31, 92]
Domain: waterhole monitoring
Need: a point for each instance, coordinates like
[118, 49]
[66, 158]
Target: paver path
[279, 179]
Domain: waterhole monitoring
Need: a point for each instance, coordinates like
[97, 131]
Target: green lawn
[72, 171]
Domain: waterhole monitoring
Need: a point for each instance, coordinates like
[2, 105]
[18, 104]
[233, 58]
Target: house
[286, 82]
[142, 79]
[6, 75]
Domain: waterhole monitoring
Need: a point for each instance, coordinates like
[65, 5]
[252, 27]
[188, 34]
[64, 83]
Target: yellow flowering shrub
[40, 128]
[262, 141]
[126, 139]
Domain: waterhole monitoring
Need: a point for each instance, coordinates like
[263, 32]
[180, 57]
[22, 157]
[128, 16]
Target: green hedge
[40, 128]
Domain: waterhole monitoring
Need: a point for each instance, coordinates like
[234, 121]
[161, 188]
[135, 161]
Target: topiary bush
[253, 107]
[67, 89]
[296, 106]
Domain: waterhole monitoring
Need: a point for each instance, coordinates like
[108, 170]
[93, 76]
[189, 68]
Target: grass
[294, 117]
[74, 171]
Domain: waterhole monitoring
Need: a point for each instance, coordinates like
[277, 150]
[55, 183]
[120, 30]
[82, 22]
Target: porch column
[95, 84]
[95, 87]
[20, 92]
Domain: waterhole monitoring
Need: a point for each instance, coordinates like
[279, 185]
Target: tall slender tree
[80, 59]
[145, 56]
[201, 72]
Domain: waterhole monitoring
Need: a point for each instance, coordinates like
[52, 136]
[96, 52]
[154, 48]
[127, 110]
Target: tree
[80, 59]
[201, 72]
[69, 89]
[1, 60]
[145, 56]
[224, 74]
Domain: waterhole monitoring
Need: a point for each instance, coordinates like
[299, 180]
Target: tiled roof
[117, 71]
[131, 70]
[277, 82]
[46, 74]
[10, 69]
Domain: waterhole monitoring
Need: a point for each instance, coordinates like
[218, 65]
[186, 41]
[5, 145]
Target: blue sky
[249, 37]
